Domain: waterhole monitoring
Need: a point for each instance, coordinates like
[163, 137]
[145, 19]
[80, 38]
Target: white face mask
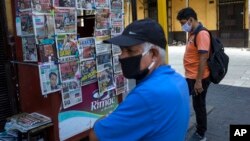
[186, 27]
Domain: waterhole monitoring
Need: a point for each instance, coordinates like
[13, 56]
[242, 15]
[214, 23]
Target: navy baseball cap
[138, 32]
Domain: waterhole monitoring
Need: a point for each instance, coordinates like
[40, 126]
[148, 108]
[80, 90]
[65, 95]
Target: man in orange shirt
[196, 68]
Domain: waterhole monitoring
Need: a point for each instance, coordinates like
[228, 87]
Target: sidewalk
[228, 102]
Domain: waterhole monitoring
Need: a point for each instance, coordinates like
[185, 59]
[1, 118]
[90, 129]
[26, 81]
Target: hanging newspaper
[105, 80]
[102, 32]
[116, 5]
[116, 65]
[71, 93]
[27, 28]
[85, 4]
[103, 61]
[86, 48]
[29, 49]
[88, 72]
[100, 39]
[49, 78]
[65, 3]
[116, 50]
[102, 19]
[68, 70]
[47, 52]
[66, 46]
[121, 84]
[65, 21]
[117, 26]
[101, 4]
[43, 26]
[41, 6]
[24, 5]
[103, 48]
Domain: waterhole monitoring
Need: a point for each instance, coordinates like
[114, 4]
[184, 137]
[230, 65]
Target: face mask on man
[131, 67]
[186, 27]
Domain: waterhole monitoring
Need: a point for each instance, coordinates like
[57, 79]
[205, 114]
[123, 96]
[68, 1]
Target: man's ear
[155, 52]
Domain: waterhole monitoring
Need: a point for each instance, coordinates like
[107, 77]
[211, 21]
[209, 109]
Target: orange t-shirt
[192, 53]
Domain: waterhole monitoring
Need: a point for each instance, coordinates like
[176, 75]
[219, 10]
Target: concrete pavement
[227, 102]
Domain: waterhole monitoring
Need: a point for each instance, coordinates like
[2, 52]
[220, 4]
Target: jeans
[199, 105]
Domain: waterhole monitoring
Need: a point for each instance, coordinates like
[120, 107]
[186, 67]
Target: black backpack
[218, 59]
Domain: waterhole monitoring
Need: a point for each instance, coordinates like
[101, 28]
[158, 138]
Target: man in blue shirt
[157, 109]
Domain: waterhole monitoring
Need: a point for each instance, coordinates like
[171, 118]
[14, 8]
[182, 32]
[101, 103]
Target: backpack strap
[197, 30]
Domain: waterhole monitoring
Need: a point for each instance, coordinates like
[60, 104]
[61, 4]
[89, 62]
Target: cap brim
[124, 41]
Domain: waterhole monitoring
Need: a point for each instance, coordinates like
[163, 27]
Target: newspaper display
[66, 46]
[116, 5]
[47, 52]
[49, 78]
[116, 50]
[86, 48]
[88, 72]
[41, 6]
[116, 65]
[101, 4]
[100, 39]
[85, 4]
[68, 70]
[65, 21]
[24, 5]
[106, 80]
[103, 61]
[117, 26]
[29, 49]
[43, 26]
[121, 83]
[71, 93]
[102, 32]
[102, 19]
[116, 17]
[27, 27]
[103, 48]
[65, 3]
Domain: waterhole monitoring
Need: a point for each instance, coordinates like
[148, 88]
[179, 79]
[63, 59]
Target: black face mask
[131, 67]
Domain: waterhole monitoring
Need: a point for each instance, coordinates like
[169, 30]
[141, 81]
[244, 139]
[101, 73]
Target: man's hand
[198, 87]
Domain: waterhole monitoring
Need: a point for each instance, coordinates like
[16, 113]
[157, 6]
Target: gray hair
[147, 46]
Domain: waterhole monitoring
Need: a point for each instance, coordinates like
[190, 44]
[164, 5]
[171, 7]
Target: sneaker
[197, 137]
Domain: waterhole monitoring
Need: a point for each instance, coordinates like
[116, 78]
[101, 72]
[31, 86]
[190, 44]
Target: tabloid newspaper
[47, 52]
[27, 27]
[106, 80]
[86, 48]
[85, 4]
[24, 5]
[101, 4]
[68, 70]
[88, 72]
[41, 6]
[65, 3]
[66, 46]
[29, 49]
[121, 83]
[103, 61]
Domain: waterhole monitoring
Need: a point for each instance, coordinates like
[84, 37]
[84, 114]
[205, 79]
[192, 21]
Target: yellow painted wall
[140, 9]
[247, 12]
[9, 16]
[177, 5]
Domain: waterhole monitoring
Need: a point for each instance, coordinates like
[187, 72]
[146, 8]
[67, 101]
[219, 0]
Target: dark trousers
[199, 105]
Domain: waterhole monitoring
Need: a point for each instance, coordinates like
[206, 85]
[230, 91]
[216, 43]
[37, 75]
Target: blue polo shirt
[157, 109]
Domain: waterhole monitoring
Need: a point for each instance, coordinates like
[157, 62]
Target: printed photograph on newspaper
[65, 21]
[103, 48]
[117, 26]
[102, 19]
[68, 70]
[71, 93]
[27, 28]
[29, 49]
[41, 6]
[66, 45]
[49, 78]
[88, 72]
[116, 50]
[24, 5]
[103, 61]
[116, 5]
[43, 26]
[116, 65]
[102, 32]
[121, 84]
[65, 3]
[101, 4]
[86, 48]
[106, 80]
[85, 4]
[47, 52]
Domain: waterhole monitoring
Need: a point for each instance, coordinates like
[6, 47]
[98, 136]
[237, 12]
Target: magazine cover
[121, 83]
[29, 49]
[65, 3]
[26, 23]
[43, 26]
[100, 4]
[24, 5]
[66, 45]
[49, 78]
[41, 6]
[103, 48]
[71, 93]
[88, 72]
[116, 50]
[47, 52]
[102, 19]
[105, 80]
[85, 4]
[116, 65]
[116, 5]
[68, 70]
[65, 21]
[86, 48]
[103, 61]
